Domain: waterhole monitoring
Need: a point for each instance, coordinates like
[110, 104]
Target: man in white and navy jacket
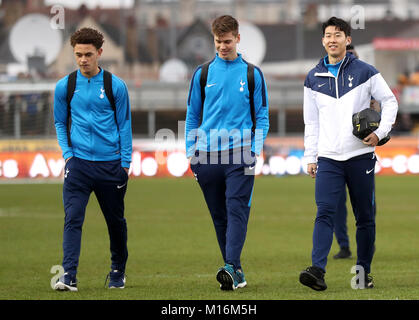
[339, 86]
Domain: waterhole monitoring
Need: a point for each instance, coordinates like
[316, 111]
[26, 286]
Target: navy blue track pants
[227, 190]
[108, 180]
[332, 176]
[340, 223]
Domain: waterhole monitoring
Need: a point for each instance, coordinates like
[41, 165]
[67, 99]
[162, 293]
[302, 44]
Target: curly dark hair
[87, 36]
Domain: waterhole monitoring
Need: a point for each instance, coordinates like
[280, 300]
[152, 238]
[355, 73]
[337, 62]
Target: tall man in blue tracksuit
[225, 129]
[97, 151]
[338, 87]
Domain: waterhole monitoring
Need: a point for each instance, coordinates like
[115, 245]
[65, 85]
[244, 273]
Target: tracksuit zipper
[90, 124]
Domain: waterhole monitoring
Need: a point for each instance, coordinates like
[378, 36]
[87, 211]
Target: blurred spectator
[397, 91]
[403, 79]
[30, 118]
[403, 125]
[414, 77]
[2, 114]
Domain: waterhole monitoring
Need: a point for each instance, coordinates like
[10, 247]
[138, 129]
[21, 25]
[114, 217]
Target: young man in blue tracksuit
[224, 131]
[338, 87]
[97, 151]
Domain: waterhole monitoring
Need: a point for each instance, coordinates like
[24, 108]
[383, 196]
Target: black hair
[350, 48]
[340, 24]
[87, 36]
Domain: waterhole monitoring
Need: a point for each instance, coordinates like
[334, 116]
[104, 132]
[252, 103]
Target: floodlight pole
[173, 32]
[122, 26]
[16, 118]
[299, 32]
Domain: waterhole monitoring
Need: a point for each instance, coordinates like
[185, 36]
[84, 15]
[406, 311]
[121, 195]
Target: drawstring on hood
[343, 77]
[343, 69]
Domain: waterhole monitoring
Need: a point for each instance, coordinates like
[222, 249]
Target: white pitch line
[30, 181]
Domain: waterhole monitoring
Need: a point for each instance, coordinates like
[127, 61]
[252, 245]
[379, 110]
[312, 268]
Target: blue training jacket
[94, 132]
[227, 120]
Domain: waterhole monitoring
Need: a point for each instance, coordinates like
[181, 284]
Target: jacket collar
[99, 75]
[239, 59]
[322, 71]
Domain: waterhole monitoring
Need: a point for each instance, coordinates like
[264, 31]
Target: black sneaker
[313, 277]
[344, 253]
[368, 282]
[227, 277]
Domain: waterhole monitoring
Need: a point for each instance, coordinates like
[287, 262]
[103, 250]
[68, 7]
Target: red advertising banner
[282, 156]
[396, 43]
[35, 165]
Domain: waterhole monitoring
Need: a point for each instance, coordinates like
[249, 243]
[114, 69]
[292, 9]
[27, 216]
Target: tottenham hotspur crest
[350, 78]
[242, 83]
[102, 91]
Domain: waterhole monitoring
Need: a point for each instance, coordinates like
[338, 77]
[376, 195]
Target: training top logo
[102, 91]
[350, 78]
[242, 83]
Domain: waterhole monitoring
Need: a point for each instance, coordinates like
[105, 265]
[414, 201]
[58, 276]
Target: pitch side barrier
[41, 160]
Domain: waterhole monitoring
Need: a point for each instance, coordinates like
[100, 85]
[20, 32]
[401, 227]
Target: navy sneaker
[240, 279]
[313, 277]
[227, 277]
[66, 282]
[116, 279]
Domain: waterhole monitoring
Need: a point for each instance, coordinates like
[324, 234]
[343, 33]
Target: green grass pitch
[173, 252]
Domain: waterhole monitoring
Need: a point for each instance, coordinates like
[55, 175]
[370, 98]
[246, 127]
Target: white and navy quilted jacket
[330, 102]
